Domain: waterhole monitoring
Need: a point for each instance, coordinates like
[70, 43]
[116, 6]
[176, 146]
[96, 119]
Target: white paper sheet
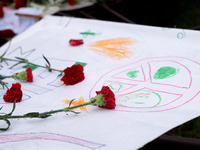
[154, 72]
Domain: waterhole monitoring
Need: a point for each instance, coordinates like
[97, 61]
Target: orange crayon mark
[116, 48]
[79, 102]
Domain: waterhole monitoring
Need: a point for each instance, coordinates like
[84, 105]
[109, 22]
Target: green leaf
[75, 112]
[44, 115]
[3, 55]
[36, 115]
[15, 65]
[71, 102]
[3, 84]
[46, 61]
[20, 58]
[32, 115]
[8, 123]
[60, 74]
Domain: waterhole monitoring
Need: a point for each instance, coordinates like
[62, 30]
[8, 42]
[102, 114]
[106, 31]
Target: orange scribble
[114, 48]
[75, 103]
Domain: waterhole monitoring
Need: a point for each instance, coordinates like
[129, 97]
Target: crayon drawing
[152, 85]
[117, 48]
[8, 138]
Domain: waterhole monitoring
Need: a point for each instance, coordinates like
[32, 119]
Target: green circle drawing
[142, 96]
[114, 89]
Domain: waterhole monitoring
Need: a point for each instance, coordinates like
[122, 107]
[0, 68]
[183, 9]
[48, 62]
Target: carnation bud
[100, 100]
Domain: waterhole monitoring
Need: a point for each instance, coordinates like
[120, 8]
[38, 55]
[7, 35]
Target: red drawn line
[48, 136]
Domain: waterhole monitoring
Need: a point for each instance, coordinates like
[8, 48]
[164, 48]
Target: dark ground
[170, 13]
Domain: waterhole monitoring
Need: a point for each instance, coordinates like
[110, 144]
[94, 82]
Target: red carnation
[1, 11]
[72, 2]
[29, 75]
[75, 42]
[19, 4]
[109, 97]
[73, 75]
[13, 94]
[4, 34]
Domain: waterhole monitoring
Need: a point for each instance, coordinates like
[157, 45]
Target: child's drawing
[154, 73]
[117, 48]
[156, 84]
[44, 80]
[179, 35]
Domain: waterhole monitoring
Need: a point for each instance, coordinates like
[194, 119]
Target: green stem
[3, 84]
[48, 68]
[48, 113]
[29, 63]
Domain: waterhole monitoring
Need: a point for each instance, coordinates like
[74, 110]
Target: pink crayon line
[144, 78]
[48, 136]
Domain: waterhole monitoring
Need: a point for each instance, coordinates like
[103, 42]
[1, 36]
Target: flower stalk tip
[24, 75]
[104, 99]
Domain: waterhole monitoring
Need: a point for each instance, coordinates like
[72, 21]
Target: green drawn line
[145, 97]
[139, 102]
[81, 63]
[87, 33]
[148, 97]
[132, 74]
[32, 66]
[156, 95]
[181, 35]
[165, 72]
[114, 89]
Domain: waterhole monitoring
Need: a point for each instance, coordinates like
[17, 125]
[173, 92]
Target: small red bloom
[73, 42]
[29, 75]
[4, 34]
[19, 4]
[72, 2]
[73, 75]
[1, 11]
[13, 94]
[109, 97]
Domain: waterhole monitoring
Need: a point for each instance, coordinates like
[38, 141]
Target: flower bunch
[25, 3]
[105, 99]
[72, 75]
